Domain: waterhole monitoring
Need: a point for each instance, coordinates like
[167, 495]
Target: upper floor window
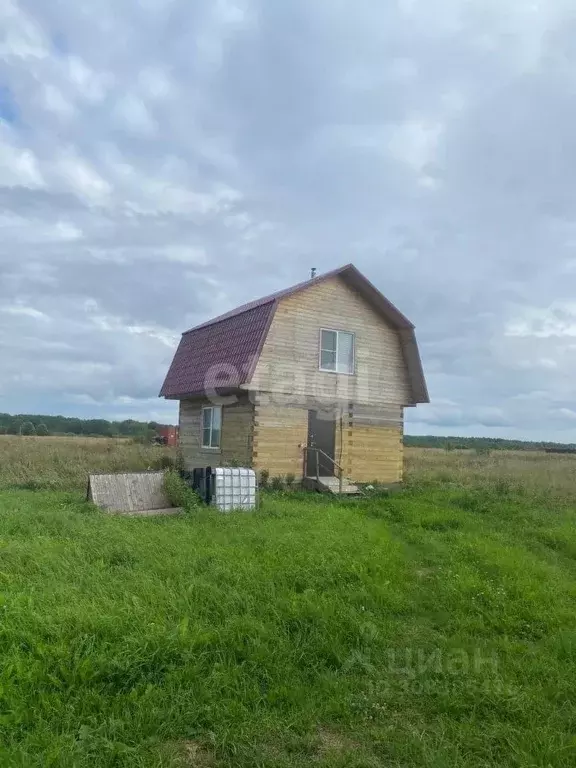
[211, 426]
[337, 351]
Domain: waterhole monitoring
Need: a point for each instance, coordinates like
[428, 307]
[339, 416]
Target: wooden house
[311, 381]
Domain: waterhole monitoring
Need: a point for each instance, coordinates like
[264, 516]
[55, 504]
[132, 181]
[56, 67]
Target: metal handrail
[338, 474]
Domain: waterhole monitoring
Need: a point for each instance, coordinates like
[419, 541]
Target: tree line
[482, 443]
[43, 425]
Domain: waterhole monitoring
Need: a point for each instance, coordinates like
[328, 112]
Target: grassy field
[435, 627]
[62, 463]
[532, 472]
[58, 463]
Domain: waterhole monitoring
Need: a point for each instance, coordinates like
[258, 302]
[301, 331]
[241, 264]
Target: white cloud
[18, 164]
[155, 83]
[20, 36]
[18, 309]
[15, 229]
[183, 254]
[81, 178]
[557, 320]
[55, 101]
[223, 20]
[90, 85]
[65, 230]
[415, 142]
[132, 113]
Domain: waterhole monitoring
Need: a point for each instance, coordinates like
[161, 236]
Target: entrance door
[322, 435]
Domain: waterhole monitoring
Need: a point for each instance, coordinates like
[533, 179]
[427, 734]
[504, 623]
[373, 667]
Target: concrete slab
[130, 493]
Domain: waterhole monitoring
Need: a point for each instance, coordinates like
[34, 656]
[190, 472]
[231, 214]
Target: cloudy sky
[164, 160]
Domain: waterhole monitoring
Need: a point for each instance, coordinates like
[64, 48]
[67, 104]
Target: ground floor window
[211, 426]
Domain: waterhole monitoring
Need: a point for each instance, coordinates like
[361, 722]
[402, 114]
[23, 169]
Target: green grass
[436, 627]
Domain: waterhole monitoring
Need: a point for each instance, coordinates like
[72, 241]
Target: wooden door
[322, 435]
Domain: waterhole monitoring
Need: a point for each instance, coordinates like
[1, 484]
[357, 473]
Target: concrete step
[331, 484]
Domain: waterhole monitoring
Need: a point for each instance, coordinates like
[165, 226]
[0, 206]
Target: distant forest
[33, 424]
[482, 443]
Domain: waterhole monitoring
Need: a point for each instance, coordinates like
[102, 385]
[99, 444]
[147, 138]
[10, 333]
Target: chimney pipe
[313, 272]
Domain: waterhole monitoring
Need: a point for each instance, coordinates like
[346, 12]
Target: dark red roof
[222, 353]
[218, 354]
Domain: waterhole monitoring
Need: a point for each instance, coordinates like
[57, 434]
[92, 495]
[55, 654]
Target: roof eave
[222, 392]
[414, 366]
[368, 290]
[405, 328]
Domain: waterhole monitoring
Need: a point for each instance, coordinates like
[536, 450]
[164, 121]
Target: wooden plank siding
[236, 437]
[279, 432]
[371, 445]
[237, 432]
[373, 453]
[368, 443]
[270, 435]
[289, 359]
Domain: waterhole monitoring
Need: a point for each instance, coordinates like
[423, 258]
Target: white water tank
[233, 488]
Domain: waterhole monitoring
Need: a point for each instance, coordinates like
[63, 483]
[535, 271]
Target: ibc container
[233, 488]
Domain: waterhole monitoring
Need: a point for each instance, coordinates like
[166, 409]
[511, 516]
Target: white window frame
[211, 408]
[337, 331]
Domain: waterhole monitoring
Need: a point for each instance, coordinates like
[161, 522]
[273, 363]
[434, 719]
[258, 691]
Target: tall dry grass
[532, 471]
[63, 463]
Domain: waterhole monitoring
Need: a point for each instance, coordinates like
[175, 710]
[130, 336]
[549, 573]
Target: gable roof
[223, 352]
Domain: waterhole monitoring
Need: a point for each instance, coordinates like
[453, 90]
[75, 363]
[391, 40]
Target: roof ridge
[229, 315]
[247, 306]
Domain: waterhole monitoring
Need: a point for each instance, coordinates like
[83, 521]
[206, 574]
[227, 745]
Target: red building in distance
[169, 435]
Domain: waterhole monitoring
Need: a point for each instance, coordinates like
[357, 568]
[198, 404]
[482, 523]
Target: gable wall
[289, 359]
